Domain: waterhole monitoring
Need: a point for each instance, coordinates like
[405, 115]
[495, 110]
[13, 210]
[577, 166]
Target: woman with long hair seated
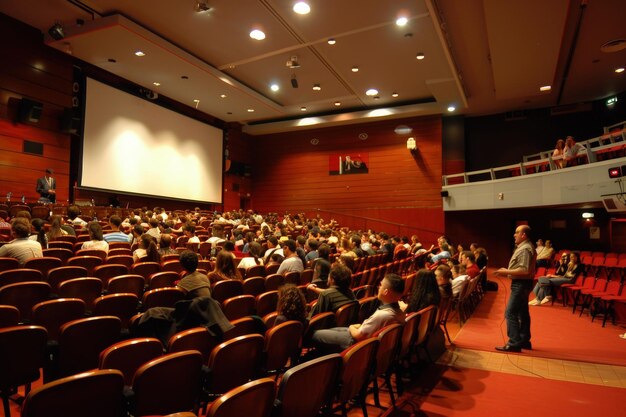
[425, 292]
[291, 305]
[40, 232]
[147, 250]
[254, 256]
[55, 228]
[97, 240]
[566, 272]
[224, 268]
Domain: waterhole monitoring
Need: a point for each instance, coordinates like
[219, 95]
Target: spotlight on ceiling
[294, 81]
[56, 31]
[202, 6]
[293, 62]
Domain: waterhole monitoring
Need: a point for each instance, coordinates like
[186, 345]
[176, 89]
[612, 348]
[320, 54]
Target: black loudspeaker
[69, 122]
[444, 193]
[29, 111]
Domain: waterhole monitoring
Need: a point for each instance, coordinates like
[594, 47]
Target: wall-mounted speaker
[445, 193]
[69, 122]
[29, 111]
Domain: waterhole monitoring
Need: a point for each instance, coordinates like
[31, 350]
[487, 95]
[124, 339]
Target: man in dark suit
[46, 187]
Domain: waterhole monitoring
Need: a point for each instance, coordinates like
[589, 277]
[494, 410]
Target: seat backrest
[162, 279]
[81, 342]
[367, 307]
[358, 361]
[282, 342]
[9, 316]
[234, 362]
[242, 327]
[319, 376]
[238, 306]
[225, 289]
[92, 252]
[129, 355]
[162, 297]
[106, 272]
[13, 276]
[273, 281]
[62, 253]
[426, 324]
[22, 353]
[52, 314]
[24, 295]
[174, 265]
[409, 333]
[255, 271]
[388, 348]
[145, 269]
[253, 399]
[130, 283]
[87, 289]
[197, 338]
[121, 305]
[254, 285]
[266, 302]
[319, 321]
[89, 262]
[347, 314]
[43, 264]
[95, 393]
[306, 276]
[64, 273]
[8, 263]
[292, 277]
[168, 384]
[120, 259]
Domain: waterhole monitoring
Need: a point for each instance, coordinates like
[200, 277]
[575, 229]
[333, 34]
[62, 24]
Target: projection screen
[133, 146]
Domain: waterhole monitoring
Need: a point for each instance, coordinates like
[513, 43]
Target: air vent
[615, 45]
[570, 108]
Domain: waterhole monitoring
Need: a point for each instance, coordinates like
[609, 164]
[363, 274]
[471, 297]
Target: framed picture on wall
[348, 163]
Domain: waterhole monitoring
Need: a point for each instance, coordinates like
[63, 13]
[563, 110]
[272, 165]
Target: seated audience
[570, 152]
[116, 235]
[97, 240]
[544, 255]
[338, 292]
[469, 261]
[40, 232]
[444, 276]
[557, 155]
[194, 283]
[225, 268]
[55, 228]
[566, 272]
[253, 258]
[425, 292]
[147, 250]
[165, 245]
[21, 247]
[292, 262]
[321, 270]
[291, 305]
[389, 293]
[72, 214]
[459, 279]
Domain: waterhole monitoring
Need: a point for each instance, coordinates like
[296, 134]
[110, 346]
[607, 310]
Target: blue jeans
[545, 284]
[516, 314]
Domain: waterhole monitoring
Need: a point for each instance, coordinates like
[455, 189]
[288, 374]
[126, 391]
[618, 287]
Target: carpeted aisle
[471, 392]
[556, 332]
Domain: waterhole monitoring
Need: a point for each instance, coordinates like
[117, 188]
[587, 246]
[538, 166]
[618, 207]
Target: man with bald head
[521, 271]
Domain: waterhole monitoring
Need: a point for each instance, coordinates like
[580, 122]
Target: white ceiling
[482, 56]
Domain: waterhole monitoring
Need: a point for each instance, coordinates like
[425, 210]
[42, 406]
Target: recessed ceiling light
[451, 108]
[332, 41]
[545, 88]
[394, 94]
[372, 92]
[355, 69]
[222, 95]
[250, 110]
[195, 100]
[401, 21]
[337, 103]
[301, 7]
[316, 87]
[257, 34]
[619, 70]
[420, 56]
[302, 108]
[156, 83]
[140, 53]
[274, 87]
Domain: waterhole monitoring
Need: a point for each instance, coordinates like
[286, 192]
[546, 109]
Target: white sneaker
[546, 300]
[533, 302]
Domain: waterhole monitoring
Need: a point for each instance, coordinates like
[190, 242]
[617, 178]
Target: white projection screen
[133, 146]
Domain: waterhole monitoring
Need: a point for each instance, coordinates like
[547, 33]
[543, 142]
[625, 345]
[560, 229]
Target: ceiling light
[222, 95]
[156, 83]
[376, 97]
[355, 69]
[316, 87]
[337, 103]
[372, 92]
[302, 108]
[420, 56]
[619, 70]
[401, 21]
[451, 109]
[257, 34]
[140, 53]
[274, 87]
[545, 88]
[332, 41]
[56, 32]
[301, 7]
[184, 77]
[250, 110]
[588, 215]
[202, 6]
[394, 94]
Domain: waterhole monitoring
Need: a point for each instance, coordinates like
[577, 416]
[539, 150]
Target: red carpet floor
[472, 392]
[556, 332]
